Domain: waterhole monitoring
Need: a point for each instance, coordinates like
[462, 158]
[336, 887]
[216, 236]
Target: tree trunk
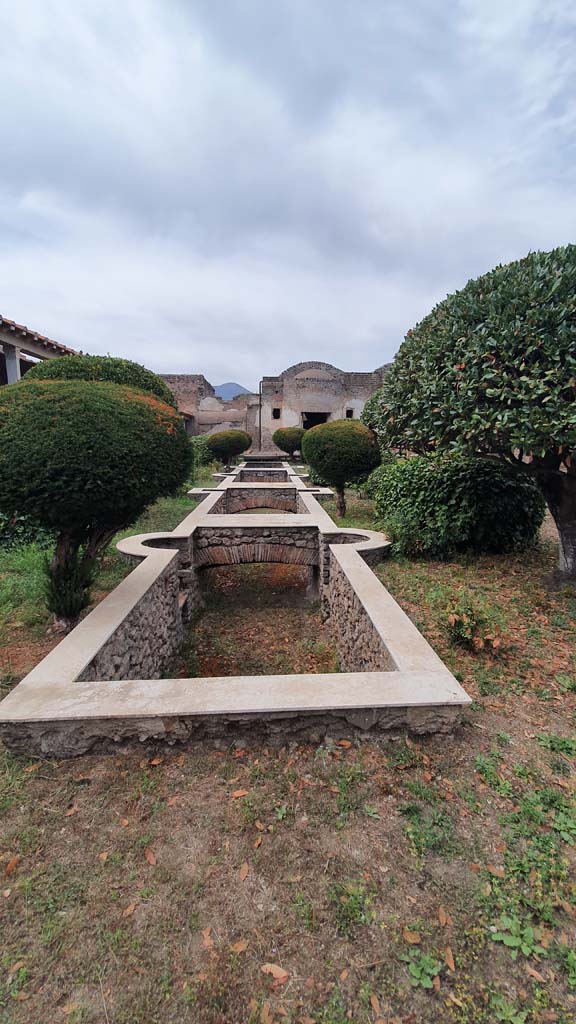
[340, 502]
[559, 490]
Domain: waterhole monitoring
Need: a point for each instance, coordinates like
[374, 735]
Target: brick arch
[240, 554]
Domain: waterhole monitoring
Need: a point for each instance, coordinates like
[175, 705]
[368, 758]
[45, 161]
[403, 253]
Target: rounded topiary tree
[288, 439]
[103, 368]
[440, 506]
[84, 460]
[226, 444]
[341, 451]
[491, 371]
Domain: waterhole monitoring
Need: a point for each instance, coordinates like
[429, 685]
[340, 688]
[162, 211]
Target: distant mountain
[230, 390]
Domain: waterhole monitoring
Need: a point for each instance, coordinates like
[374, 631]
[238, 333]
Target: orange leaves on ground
[535, 974]
[243, 872]
[257, 842]
[150, 856]
[346, 744]
[124, 822]
[238, 793]
[172, 800]
[375, 1003]
[278, 973]
[73, 809]
[129, 910]
[412, 938]
[207, 940]
[103, 857]
[12, 864]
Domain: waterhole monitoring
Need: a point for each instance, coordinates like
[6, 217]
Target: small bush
[103, 368]
[436, 508]
[288, 439]
[469, 619]
[203, 455]
[341, 452]
[226, 444]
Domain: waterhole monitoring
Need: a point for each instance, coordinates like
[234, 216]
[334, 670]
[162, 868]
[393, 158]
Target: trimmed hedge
[226, 444]
[288, 439]
[437, 508]
[84, 459]
[341, 452]
[103, 368]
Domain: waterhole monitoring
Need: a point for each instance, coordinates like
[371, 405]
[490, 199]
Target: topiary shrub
[438, 507]
[341, 451]
[103, 368]
[288, 439]
[492, 371]
[203, 455]
[84, 460]
[226, 444]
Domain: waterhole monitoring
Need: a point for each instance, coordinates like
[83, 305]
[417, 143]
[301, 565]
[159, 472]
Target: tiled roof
[39, 339]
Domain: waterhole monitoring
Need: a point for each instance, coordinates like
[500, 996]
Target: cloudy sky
[232, 186]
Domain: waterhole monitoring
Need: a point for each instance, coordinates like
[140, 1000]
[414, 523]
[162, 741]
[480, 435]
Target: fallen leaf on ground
[375, 1003]
[129, 910]
[17, 966]
[70, 1008]
[260, 826]
[238, 793]
[436, 983]
[344, 743]
[33, 767]
[534, 974]
[103, 857]
[150, 856]
[239, 947]
[244, 869]
[412, 938]
[155, 761]
[172, 800]
[444, 917]
[265, 1015]
[276, 972]
[453, 999]
[71, 810]
[207, 941]
[257, 842]
[344, 974]
[12, 864]
[499, 872]
[449, 959]
[124, 822]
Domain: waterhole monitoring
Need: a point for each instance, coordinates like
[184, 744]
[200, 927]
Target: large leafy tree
[492, 371]
[83, 459]
[341, 452]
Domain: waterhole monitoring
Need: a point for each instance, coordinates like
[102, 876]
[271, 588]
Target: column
[12, 357]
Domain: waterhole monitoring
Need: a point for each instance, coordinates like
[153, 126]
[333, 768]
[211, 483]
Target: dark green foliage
[84, 459]
[341, 451]
[103, 368]
[288, 439]
[226, 444]
[203, 455]
[437, 507]
[67, 586]
[492, 370]
[17, 530]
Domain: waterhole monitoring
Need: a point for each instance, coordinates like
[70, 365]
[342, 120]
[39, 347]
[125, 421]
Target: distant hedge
[226, 444]
[103, 368]
[288, 439]
[437, 507]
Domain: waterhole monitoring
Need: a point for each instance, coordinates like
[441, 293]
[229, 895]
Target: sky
[229, 187]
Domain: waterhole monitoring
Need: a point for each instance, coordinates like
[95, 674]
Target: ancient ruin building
[303, 395]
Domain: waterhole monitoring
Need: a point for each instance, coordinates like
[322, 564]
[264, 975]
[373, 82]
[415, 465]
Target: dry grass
[153, 886]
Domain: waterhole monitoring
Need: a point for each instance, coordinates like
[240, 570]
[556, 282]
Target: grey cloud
[229, 187]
